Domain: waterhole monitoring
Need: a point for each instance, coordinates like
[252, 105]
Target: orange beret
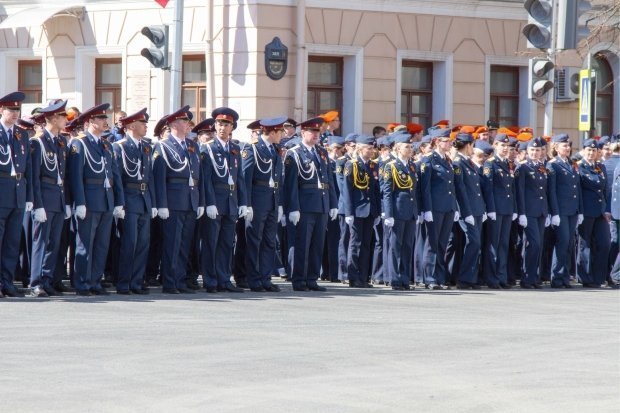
[453, 135]
[468, 129]
[330, 116]
[524, 136]
[72, 114]
[455, 128]
[526, 129]
[414, 128]
[391, 126]
[507, 132]
[443, 122]
[515, 129]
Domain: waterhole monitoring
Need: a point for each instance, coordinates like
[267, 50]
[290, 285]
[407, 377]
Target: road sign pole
[548, 126]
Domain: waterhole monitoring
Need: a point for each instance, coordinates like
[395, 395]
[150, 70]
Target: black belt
[225, 186]
[141, 186]
[315, 186]
[18, 176]
[259, 182]
[49, 180]
[94, 181]
[180, 181]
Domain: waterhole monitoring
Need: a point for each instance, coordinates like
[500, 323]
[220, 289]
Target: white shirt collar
[404, 161]
[179, 140]
[310, 148]
[50, 133]
[134, 140]
[224, 144]
[6, 128]
[265, 141]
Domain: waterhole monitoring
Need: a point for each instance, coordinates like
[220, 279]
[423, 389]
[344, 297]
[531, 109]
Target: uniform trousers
[438, 232]
[468, 270]
[377, 254]
[498, 244]
[178, 231]
[330, 252]
[10, 234]
[358, 255]
[309, 241]
[45, 245]
[92, 242]
[260, 247]
[343, 248]
[594, 251]
[134, 251]
[218, 237]
[564, 240]
[402, 237]
[533, 236]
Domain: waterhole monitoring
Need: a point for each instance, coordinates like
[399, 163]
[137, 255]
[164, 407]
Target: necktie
[273, 151]
[184, 145]
[10, 135]
[316, 157]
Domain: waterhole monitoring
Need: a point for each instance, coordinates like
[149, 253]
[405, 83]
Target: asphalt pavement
[344, 350]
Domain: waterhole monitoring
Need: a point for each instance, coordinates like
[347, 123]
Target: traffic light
[538, 29]
[539, 77]
[570, 32]
[157, 55]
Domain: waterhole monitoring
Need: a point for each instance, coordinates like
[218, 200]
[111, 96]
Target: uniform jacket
[398, 202]
[217, 189]
[564, 187]
[16, 190]
[172, 168]
[340, 163]
[532, 200]
[593, 188]
[308, 187]
[49, 160]
[468, 189]
[139, 188]
[614, 200]
[90, 163]
[437, 184]
[361, 203]
[498, 186]
[259, 166]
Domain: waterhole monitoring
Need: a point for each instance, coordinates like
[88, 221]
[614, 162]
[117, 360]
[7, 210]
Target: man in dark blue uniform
[134, 160]
[98, 197]
[532, 206]
[15, 187]
[362, 209]
[594, 231]
[566, 208]
[179, 198]
[262, 173]
[345, 233]
[51, 200]
[226, 202]
[614, 200]
[311, 200]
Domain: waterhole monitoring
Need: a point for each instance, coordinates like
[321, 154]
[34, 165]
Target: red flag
[162, 3]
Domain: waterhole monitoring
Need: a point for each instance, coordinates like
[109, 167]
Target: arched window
[604, 95]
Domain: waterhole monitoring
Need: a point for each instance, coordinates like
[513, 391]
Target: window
[604, 95]
[416, 98]
[194, 86]
[504, 102]
[30, 80]
[108, 84]
[324, 85]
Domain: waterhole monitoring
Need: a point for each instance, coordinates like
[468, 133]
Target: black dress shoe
[51, 291]
[170, 291]
[316, 287]
[463, 286]
[83, 293]
[613, 286]
[300, 288]
[99, 291]
[556, 286]
[141, 291]
[106, 284]
[505, 286]
[192, 284]
[123, 292]
[367, 285]
[38, 292]
[221, 288]
[259, 289]
[1, 294]
[476, 287]
[211, 290]
[185, 290]
[153, 283]
[13, 292]
[537, 286]
[243, 284]
[61, 288]
[230, 287]
[378, 282]
[407, 287]
[272, 288]
[494, 287]
[527, 286]
[397, 288]
[437, 287]
[567, 285]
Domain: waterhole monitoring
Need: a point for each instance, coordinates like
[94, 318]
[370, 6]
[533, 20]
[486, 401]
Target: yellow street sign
[584, 101]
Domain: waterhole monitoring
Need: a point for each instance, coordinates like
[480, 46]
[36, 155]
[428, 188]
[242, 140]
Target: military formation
[84, 207]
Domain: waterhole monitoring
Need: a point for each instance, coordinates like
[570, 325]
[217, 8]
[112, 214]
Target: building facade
[375, 61]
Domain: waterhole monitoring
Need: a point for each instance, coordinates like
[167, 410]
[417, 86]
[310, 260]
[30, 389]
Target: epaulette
[491, 159]
[374, 161]
[121, 141]
[341, 158]
[552, 160]
[580, 162]
[253, 141]
[391, 162]
[522, 162]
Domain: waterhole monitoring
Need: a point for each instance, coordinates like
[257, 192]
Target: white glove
[80, 211]
[294, 217]
[39, 215]
[555, 220]
[492, 216]
[484, 217]
[389, 222]
[470, 220]
[457, 216]
[514, 216]
[523, 221]
[348, 220]
[153, 213]
[118, 212]
[67, 212]
[249, 214]
[29, 206]
[163, 213]
[383, 215]
[579, 219]
[200, 212]
[376, 222]
[547, 221]
[281, 214]
[428, 216]
[243, 211]
[420, 219]
[333, 213]
[212, 211]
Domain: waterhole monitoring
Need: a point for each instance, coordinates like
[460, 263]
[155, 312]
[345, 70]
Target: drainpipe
[301, 59]
[210, 103]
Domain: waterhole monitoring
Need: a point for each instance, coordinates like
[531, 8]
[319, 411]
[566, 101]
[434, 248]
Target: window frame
[30, 89]
[408, 111]
[608, 95]
[316, 88]
[498, 97]
[197, 86]
[115, 88]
